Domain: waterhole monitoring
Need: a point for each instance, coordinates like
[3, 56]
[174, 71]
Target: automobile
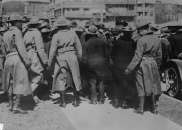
[171, 69]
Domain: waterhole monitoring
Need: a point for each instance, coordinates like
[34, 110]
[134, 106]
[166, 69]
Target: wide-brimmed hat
[61, 22]
[92, 29]
[74, 24]
[15, 17]
[44, 17]
[43, 24]
[143, 26]
[45, 30]
[34, 21]
[154, 28]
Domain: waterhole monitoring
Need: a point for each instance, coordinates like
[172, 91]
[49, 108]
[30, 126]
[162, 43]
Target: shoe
[75, 103]
[17, 110]
[62, 104]
[124, 105]
[116, 103]
[37, 100]
[101, 101]
[139, 110]
[94, 102]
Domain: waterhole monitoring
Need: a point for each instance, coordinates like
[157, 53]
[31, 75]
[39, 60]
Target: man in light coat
[36, 51]
[66, 49]
[146, 62]
[17, 64]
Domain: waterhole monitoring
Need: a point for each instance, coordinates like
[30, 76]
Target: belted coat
[146, 62]
[66, 49]
[15, 74]
[35, 47]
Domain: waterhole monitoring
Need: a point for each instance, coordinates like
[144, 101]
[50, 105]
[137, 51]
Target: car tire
[172, 80]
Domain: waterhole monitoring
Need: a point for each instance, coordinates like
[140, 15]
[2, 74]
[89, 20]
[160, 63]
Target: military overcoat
[66, 49]
[146, 61]
[15, 75]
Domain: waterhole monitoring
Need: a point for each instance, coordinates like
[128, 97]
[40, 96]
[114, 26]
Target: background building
[158, 11]
[25, 7]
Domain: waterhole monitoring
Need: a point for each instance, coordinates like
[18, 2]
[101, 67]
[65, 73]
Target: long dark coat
[96, 54]
[146, 60]
[122, 54]
[15, 75]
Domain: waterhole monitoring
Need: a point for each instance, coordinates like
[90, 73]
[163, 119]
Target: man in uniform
[35, 48]
[15, 76]
[2, 52]
[67, 50]
[146, 60]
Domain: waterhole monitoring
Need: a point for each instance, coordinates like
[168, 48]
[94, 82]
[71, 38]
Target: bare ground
[50, 116]
[45, 116]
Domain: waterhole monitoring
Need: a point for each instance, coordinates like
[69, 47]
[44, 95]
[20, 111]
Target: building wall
[36, 8]
[167, 12]
[145, 12]
[142, 11]
[78, 9]
[30, 8]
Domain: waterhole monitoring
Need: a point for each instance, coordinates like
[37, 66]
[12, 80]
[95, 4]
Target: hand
[126, 72]
[28, 67]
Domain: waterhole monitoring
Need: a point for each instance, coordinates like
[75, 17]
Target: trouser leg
[93, 90]
[76, 97]
[17, 102]
[155, 100]
[11, 103]
[62, 99]
[35, 84]
[140, 108]
[101, 92]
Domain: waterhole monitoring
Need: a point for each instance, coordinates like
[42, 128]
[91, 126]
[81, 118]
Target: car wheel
[172, 80]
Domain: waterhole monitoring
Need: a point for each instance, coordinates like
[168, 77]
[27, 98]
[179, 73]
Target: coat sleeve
[21, 48]
[3, 49]
[53, 49]
[166, 49]
[138, 55]
[78, 45]
[40, 48]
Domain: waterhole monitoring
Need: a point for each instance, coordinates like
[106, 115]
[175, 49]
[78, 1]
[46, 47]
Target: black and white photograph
[90, 65]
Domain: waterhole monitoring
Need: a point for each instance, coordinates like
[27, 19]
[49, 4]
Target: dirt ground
[171, 108]
[45, 116]
[50, 116]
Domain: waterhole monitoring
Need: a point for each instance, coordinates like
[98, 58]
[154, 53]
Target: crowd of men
[92, 61]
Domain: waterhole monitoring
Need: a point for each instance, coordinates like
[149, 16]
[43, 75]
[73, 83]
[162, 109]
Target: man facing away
[17, 64]
[146, 62]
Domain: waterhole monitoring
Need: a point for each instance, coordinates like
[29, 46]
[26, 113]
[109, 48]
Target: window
[139, 5]
[146, 13]
[86, 9]
[75, 9]
[140, 13]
